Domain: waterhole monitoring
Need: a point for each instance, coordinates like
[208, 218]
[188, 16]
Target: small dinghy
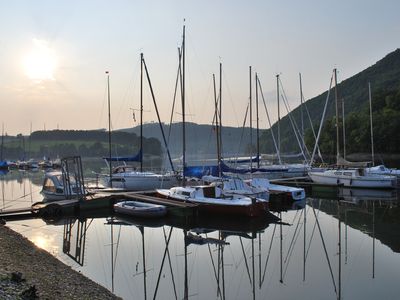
[140, 209]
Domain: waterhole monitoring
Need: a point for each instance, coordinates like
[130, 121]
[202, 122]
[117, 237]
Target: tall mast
[337, 118]
[279, 117]
[251, 129]
[372, 130]
[220, 109]
[301, 114]
[183, 109]
[217, 129]
[109, 125]
[2, 141]
[141, 112]
[258, 128]
[344, 131]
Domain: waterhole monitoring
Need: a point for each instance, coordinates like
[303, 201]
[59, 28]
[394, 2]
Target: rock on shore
[28, 272]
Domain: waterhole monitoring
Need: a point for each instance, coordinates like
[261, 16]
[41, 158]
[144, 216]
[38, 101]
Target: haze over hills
[200, 139]
[384, 75]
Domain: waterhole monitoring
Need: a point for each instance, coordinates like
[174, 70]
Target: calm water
[312, 255]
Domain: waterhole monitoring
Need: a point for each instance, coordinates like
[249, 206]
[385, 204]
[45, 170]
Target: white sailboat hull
[349, 179]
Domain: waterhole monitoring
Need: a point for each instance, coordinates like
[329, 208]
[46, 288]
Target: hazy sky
[54, 54]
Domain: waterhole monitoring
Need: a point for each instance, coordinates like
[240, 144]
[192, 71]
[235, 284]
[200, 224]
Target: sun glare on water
[40, 63]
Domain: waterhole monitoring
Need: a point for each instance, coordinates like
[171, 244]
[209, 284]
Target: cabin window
[347, 173]
[185, 193]
[209, 192]
[338, 173]
[48, 185]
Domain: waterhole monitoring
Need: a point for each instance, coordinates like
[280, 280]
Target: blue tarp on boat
[3, 164]
[200, 171]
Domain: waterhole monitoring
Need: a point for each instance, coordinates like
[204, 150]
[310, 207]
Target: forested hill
[200, 139]
[86, 143]
[384, 77]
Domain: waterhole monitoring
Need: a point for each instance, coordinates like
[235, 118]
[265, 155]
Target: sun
[40, 63]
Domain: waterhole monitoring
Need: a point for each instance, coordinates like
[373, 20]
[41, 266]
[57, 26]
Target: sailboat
[128, 177]
[349, 177]
[380, 169]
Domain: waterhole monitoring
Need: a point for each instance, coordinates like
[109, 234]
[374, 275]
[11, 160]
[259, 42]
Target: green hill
[384, 77]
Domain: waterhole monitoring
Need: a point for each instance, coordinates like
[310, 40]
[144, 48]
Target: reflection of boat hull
[356, 195]
[140, 209]
[206, 223]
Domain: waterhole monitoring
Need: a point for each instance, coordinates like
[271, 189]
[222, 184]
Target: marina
[148, 152]
[293, 252]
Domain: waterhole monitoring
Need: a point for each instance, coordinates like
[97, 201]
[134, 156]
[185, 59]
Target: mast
[279, 117]
[217, 129]
[258, 128]
[251, 131]
[337, 118]
[141, 112]
[183, 110]
[109, 125]
[340, 253]
[2, 142]
[220, 110]
[301, 114]
[344, 131]
[372, 130]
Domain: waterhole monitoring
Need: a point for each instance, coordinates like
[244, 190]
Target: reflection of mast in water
[186, 291]
[252, 263]
[373, 239]
[280, 247]
[325, 250]
[304, 240]
[141, 228]
[112, 258]
[166, 253]
[221, 265]
[340, 251]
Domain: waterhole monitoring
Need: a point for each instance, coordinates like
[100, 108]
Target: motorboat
[31, 164]
[212, 199]
[140, 209]
[353, 178]
[53, 187]
[128, 178]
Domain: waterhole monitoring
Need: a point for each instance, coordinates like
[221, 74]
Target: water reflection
[338, 244]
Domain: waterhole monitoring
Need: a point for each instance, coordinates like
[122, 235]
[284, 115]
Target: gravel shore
[28, 272]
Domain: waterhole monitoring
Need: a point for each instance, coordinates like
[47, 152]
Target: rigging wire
[295, 128]
[269, 120]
